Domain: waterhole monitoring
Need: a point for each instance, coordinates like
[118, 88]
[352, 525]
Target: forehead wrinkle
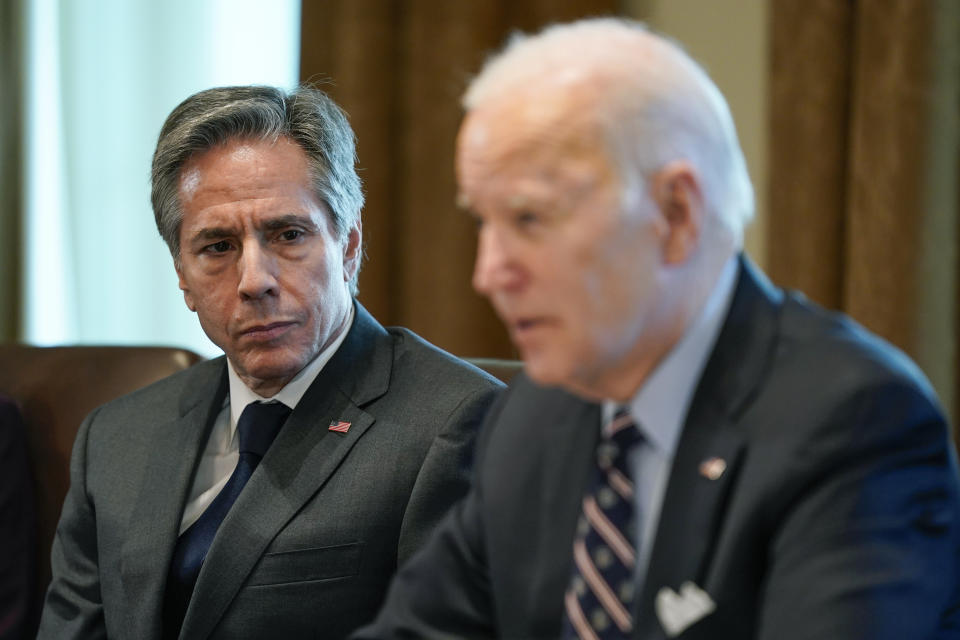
[287, 219]
[553, 159]
[201, 169]
[534, 149]
[558, 125]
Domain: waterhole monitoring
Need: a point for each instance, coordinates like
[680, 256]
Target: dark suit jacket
[18, 532]
[310, 545]
[838, 514]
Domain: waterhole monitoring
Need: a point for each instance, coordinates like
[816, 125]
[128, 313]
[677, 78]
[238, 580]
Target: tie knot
[259, 424]
[622, 431]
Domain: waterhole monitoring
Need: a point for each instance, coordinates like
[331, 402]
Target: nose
[495, 269]
[257, 273]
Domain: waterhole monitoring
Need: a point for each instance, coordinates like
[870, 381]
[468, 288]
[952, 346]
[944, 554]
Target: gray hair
[306, 116]
[654, 104]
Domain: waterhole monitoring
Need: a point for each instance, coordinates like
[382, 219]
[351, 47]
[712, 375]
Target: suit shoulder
[848, 354]
[539, 412]
[165, 398]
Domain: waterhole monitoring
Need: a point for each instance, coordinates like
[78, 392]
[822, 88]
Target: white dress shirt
[660, 408]
[221, 454]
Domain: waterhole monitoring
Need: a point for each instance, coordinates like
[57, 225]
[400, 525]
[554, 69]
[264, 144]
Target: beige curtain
[11, 81]
[865, 168]
[399, 68]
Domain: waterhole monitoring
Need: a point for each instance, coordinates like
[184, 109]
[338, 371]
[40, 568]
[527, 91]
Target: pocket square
[677, 611]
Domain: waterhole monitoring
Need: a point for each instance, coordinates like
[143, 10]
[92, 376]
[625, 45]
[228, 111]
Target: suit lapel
[298, 463]
[155, 520]
[693, 506]
[696, 496]
[572, 427]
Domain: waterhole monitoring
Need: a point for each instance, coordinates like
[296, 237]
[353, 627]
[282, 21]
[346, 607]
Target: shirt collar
[292, 392]
[660, 406]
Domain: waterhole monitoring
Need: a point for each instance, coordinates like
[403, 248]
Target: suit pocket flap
[303, 565]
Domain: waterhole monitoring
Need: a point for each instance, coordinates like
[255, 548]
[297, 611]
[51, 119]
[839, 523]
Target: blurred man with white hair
[692, 452]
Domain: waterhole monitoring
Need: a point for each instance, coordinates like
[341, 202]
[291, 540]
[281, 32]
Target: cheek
[591, 286]
[215, 305]
[607, 309]
[320, 288]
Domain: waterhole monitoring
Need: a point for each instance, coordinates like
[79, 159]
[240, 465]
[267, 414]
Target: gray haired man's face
[261, 263]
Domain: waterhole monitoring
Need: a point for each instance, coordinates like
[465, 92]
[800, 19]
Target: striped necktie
[599, 601]
[256, 429]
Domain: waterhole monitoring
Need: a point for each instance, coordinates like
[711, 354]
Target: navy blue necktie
[256, 429]
[599, 601]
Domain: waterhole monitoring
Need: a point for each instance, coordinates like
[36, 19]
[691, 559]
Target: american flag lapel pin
[339, 426]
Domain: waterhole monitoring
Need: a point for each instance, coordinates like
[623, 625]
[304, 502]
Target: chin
[562, 374]
[273, 366]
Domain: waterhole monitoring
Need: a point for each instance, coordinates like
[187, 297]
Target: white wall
[730, 39]
[102, 75]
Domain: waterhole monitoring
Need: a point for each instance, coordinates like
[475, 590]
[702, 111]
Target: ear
[352, 251]
[187, 294]
[677, 192]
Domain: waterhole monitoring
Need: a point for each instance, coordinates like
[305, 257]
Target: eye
[291, 235]
[525, 218]
[217, 247]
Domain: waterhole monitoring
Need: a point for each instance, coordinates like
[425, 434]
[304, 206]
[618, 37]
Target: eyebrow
[290, 219]
[272, 224]
[212, 233]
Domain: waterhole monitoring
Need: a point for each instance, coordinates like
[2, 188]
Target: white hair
[653, 103]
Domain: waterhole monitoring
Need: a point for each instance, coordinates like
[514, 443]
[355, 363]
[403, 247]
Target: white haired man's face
[575, 278]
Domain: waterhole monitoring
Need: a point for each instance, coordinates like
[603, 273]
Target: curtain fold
[865, 150]
[11, 174]
[398, 69]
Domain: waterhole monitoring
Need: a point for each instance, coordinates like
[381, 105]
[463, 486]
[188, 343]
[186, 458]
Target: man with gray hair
[693, 452]
[271, 492]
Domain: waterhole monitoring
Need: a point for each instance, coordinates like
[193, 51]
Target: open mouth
[525, 326]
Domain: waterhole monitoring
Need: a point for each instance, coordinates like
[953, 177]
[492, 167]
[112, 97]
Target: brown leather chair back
[56, 387]
[498, 368]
